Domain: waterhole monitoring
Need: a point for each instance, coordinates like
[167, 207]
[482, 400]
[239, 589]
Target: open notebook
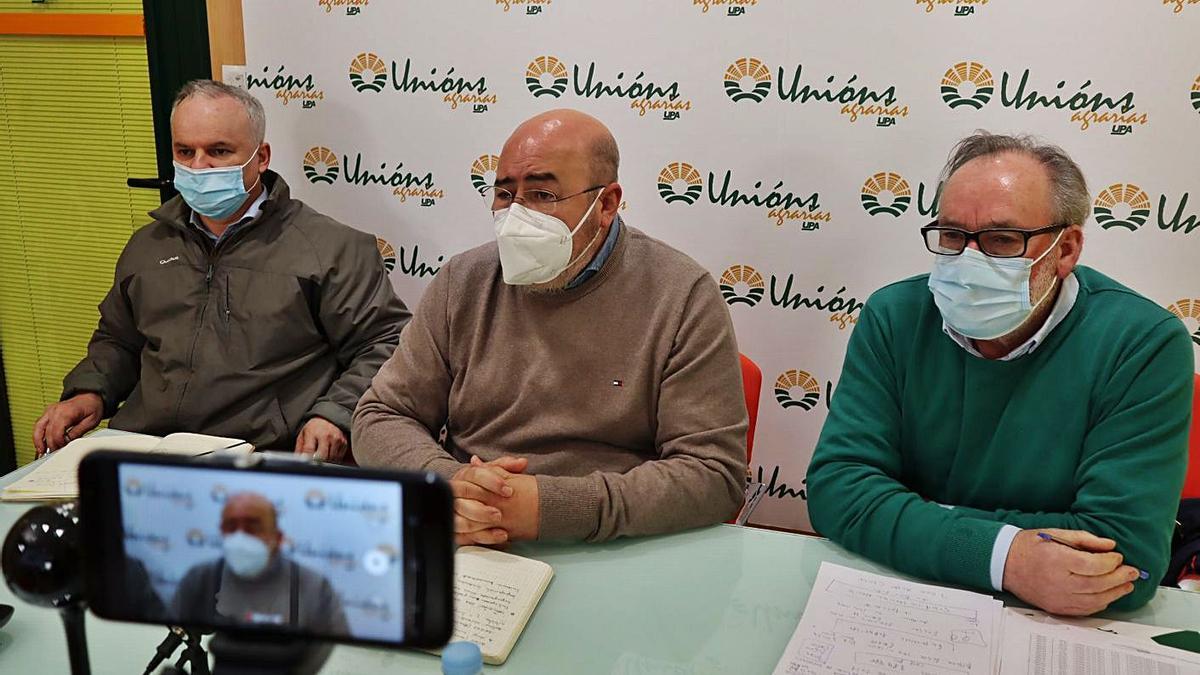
[494, 595]
[56, 478]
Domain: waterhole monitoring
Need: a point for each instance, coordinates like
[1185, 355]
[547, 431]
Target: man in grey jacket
[239, 311]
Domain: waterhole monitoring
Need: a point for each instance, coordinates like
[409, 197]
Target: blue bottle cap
[461, 658]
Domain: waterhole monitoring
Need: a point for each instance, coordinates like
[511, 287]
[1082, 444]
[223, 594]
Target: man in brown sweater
[586, 375]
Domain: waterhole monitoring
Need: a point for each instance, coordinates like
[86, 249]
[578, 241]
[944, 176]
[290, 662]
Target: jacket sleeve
[112, 365]
[404, 409]
[855, 495]
[700, 474]
[362, 318]
[1140, 430]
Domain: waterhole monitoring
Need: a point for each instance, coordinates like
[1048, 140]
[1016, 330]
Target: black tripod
[193, 657]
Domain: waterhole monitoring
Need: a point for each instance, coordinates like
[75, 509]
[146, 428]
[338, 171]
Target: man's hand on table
[322, 439]
[494, 502]
[1062, 580]
[66, 421]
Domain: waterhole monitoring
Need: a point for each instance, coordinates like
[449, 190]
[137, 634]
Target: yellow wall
[75, 121]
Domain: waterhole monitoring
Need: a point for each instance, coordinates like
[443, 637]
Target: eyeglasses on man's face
[998, 242]
[542, 201]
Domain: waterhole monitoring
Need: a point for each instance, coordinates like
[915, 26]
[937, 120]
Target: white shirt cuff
[1004, 540]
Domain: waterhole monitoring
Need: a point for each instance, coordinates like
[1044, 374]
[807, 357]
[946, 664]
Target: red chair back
[1191, 487]
[752, 387]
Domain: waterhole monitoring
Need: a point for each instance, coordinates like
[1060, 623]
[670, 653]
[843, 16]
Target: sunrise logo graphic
[368, 72]
[546, 76]
[1122, 205]
[968, 83]
[321, 165]
[479, 170]
[747, 78]
[1188, 311]
[742, 284]
[886, 192]
[679, 182]
[387, 253]
[797, 379]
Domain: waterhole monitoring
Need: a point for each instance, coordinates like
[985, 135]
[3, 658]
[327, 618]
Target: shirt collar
[1062, 307]
[601, 257]
[251, 213]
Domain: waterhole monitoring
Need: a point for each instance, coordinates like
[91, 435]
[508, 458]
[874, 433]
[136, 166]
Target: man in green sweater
[585, 375]
[1010, 394]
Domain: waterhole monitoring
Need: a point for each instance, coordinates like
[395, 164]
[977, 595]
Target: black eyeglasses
[544, 201]
[1000, 242]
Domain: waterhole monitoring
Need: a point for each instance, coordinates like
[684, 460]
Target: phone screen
[303, 554]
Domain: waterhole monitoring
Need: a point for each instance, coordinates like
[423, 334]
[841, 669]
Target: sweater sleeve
[1134, 457]
[700, 472]
[855, 495]
[396, 422]
[362, 318]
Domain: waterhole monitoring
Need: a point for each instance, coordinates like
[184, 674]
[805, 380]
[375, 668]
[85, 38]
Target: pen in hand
[1142, 574]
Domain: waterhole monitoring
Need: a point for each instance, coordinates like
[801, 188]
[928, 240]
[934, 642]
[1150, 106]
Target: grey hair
[605, 159]
[1071, 201]
[213, 89]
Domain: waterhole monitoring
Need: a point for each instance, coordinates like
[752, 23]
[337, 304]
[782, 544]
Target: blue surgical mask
[983, 297]
[217, 192]
[245, 554]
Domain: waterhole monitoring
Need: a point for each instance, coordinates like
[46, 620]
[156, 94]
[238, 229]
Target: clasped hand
[494, 502]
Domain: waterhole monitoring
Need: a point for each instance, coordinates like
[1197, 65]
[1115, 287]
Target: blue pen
[1143, 574]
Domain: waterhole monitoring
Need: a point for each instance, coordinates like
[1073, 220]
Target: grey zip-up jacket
[287, 318]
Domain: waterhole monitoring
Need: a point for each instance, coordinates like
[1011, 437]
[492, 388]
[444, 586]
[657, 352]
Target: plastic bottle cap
[462, 658]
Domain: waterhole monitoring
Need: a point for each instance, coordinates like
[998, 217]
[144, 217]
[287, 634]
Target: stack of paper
[857, 622]
[1041, 644]
[56, 478]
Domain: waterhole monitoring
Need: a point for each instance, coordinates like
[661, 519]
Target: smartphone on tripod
[263, 548]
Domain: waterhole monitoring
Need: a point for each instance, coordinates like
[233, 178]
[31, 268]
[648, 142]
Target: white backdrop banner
[790, 147]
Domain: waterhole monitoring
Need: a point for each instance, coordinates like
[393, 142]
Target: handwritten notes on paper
[494, 595]
[857, 622]
[486, 608]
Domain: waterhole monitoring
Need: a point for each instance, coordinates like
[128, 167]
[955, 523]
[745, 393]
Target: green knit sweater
[1088, 432]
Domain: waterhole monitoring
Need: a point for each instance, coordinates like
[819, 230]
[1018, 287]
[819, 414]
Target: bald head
[253, 514]
[568, 134]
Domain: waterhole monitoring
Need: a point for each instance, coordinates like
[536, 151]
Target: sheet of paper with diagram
[858, 622]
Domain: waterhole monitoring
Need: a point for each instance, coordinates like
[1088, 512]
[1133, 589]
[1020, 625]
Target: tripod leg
[72, 618]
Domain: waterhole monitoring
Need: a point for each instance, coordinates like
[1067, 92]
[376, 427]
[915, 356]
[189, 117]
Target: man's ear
[1071, 247]
[610, 201]
[264, 156]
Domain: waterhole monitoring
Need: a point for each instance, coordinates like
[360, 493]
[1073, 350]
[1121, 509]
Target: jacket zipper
[214, 256]
[227, 308]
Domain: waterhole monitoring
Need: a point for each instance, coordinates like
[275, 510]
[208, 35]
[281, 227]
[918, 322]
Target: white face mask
[983, 297]
[246, 554]
[535, 247]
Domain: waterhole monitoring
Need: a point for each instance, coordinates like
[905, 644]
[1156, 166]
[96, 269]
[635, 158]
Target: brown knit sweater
[624, 393]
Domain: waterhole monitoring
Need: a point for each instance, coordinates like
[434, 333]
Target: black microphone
[166, 648]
